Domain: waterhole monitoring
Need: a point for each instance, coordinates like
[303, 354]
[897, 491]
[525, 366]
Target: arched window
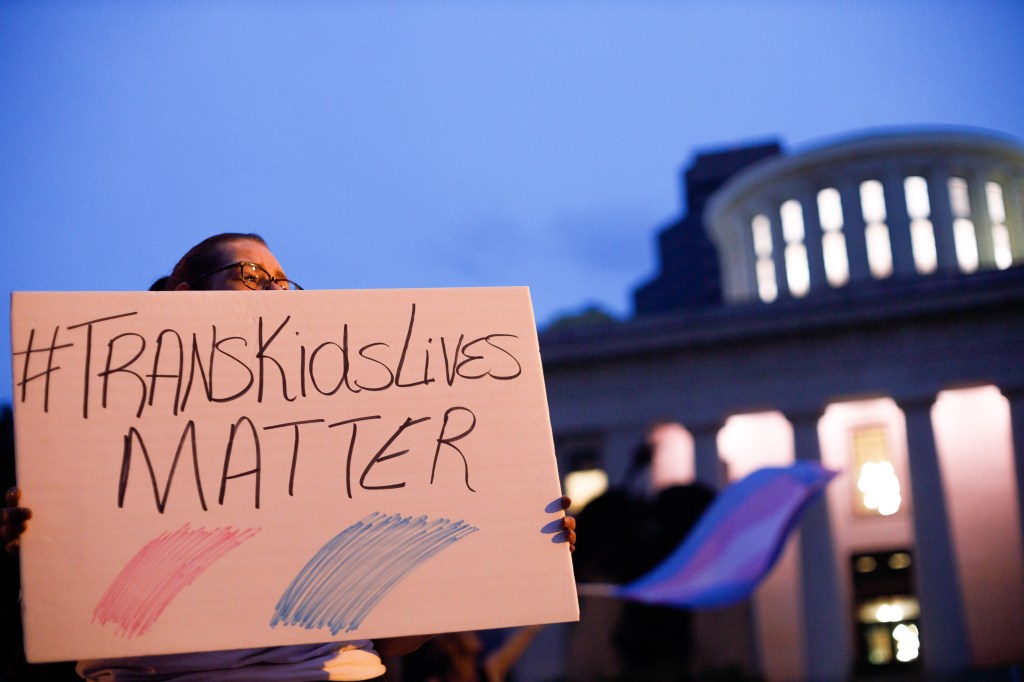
[798, 277]
[922, 233]
[761, 229]
[964, 239]
[833, 241]
[878, 486]
[1000, 233]
[876, 232]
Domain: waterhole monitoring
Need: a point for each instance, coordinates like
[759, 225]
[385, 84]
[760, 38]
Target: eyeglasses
[255, 276]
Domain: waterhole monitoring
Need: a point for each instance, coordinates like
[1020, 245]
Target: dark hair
[201, 259]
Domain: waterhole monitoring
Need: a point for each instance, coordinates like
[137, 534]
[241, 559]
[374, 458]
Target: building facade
[867, 312]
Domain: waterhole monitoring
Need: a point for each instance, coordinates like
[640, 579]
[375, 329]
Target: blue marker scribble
[350, 574]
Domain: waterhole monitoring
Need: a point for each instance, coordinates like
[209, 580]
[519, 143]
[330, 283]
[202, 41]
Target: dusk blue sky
[439, 144]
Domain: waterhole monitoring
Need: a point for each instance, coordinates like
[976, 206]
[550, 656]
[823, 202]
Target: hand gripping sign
[215, 470]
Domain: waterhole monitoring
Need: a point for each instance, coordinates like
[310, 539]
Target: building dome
[872, 208]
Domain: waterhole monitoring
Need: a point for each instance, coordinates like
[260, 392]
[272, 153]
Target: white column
[982, 222]
[898, 220]
[1016, 399]
[853, 231]
[826, 617]
[944, 645]
[941, 216]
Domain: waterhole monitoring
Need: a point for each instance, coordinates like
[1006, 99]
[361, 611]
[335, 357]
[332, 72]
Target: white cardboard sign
[215, 470]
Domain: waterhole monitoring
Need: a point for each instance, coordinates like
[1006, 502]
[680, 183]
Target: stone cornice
[870, 304]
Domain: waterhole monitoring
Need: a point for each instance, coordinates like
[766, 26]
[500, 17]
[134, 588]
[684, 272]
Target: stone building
[859, 304]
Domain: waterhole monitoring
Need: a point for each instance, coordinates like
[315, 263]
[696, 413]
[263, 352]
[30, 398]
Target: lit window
[761, 228]
[580, 454]
[797, 274]
[898, 561]
[879, 487]
[888, 629]
[1000, 233]
[922, 234]
[833, 242]
[908, 642]
[584, 485]
[879, 645]
[876, 232]
[877, 484]
[887, 609]
[964, 239]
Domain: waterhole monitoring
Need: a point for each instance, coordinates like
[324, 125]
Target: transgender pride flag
[736, 541]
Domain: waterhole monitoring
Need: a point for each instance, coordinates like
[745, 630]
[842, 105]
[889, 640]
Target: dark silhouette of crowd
[631, 528]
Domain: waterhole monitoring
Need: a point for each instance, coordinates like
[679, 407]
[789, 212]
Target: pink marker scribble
[158, 572]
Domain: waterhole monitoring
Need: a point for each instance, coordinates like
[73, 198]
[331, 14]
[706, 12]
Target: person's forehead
[254, 252]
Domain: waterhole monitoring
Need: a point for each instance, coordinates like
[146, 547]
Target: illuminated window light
[876, 232]
[872, 201]
[966, 243]
[798, 277]
[996, 207]
[764, 267]
[833, 241]
[893, 609]
[908, 642]
[1000, 233]
[889, 613]
[879, 250]
[830, 210]
[792, 215]
[922, 242]
[767, 289]
[878, 489]
[899, 560]
[585, 485]
[1001, 246]
[762, 230]
[916, 189]
[888, 629]
[865, 564]
[922, 233]
[879, 641]
[964, 239]
[837, 263]
[959, 200]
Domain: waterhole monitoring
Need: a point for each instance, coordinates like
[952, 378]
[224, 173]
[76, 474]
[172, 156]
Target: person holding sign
[242, 262]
